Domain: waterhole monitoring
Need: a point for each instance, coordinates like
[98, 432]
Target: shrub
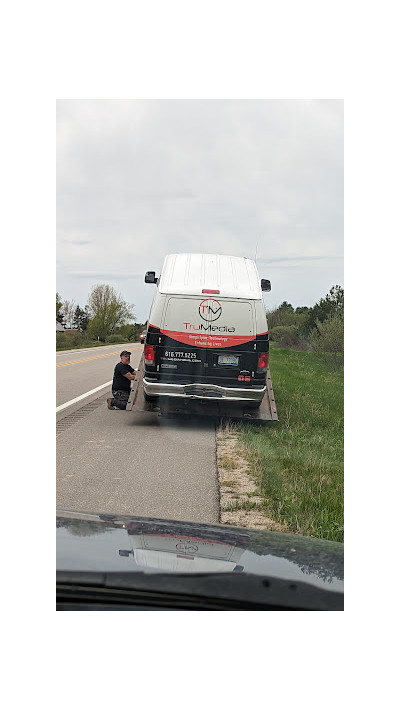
[76, 339]
[72, 340]
[61, 340]
[285, 315]
[327, 341]
[287, 337]
[115, 338]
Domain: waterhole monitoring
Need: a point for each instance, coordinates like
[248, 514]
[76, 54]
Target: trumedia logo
[210, 310]
[201, 327]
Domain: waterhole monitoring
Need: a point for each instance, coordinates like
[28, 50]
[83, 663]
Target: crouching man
[121, 384]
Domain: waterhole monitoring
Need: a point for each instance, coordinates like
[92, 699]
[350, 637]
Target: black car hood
[105, 543]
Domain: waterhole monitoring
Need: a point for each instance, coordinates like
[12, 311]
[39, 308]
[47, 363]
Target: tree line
[319, 328]
[106, 317]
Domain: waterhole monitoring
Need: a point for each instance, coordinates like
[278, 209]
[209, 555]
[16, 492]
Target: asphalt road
[111, 461]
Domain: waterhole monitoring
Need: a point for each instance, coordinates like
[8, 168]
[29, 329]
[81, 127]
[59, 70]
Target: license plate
[228, 360]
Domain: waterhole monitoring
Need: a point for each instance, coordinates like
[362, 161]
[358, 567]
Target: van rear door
[231, 347]
[207, 337]
[183, 349]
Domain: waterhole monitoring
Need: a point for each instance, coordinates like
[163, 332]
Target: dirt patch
[240, 500]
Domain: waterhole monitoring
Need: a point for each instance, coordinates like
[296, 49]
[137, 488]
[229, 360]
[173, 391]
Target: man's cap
[124, 353]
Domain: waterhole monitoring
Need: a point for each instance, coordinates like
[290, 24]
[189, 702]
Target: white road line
[76, 399]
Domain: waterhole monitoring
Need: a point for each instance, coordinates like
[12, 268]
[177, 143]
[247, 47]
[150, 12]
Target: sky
[139, 179]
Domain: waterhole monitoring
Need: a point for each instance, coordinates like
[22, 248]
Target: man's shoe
[109, 401]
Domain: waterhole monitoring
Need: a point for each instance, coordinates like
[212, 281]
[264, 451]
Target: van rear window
[209, 315]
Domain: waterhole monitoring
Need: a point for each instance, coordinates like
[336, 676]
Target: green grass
[81, 345]
[298, 461]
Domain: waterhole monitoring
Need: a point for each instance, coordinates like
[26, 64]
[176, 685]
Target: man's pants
[120, 399]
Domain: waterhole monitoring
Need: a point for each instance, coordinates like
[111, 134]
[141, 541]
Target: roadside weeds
[240, 501]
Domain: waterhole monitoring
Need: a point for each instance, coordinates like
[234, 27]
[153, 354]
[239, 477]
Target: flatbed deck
[195, 406]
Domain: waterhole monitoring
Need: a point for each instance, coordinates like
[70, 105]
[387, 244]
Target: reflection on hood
[125, 542]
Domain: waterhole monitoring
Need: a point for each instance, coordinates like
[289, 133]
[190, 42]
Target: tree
[127, 332]
[81, 318]
[59, 315]
[285, 307]
[107, 309]
[332, 304]
[69, 313]
[283, 315]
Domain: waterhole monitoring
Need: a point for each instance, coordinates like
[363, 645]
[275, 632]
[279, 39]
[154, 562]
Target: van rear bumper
[203, 391]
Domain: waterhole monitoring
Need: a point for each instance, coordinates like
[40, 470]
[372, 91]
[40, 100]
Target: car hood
[108, 543]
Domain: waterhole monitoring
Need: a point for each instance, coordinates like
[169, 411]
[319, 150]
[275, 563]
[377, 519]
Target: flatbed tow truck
[194, 405]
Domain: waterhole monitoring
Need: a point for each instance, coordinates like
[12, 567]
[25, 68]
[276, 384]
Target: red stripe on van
[212, 340]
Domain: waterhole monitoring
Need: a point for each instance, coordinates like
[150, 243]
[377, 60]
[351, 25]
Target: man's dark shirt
[119, 381]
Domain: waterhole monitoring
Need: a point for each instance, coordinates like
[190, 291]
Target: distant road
[111, 461]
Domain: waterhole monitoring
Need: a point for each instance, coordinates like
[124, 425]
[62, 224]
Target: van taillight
[149, 355]
[262, 366]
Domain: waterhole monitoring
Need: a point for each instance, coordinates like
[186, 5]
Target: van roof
[191, 273]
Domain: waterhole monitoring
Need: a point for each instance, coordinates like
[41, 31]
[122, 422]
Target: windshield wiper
[200, 591]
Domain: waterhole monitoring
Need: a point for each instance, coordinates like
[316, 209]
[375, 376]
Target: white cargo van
[207, 335]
